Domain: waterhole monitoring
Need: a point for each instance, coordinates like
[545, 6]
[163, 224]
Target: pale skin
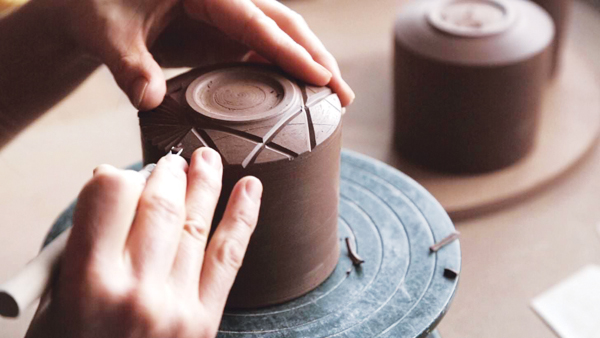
[138, 263]
[154, 276]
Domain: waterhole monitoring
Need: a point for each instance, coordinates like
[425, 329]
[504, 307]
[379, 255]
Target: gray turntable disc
[401, 289]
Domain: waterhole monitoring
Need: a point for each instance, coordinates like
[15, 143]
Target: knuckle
[145, 307]
[184, 323]
[213, 185]
[106, 286]
[209, 330]
[244, 218]
[115, 181]
[208, 180]
[173, 170]
[129, 67]
[257, 21]
[162, 208]
[326, 58]
[230, 254]
[265, 21]
[198, 228]
[128, 62]
[296, 20]
[135, 177]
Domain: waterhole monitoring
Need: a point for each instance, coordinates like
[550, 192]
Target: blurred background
[519, 242]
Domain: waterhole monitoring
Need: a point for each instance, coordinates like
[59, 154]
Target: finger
[105, 210]
[294, 25]
[243, 21]
[147, 170]
[228, 245]
[184, 44]
[155, 232]
[136, 72]
[203, 190]
[254, 57]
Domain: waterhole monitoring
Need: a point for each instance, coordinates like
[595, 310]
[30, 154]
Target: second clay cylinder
[469, 79]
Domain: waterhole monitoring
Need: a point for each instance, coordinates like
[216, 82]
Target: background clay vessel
[469, 78]
[560, 11]
[287, 134]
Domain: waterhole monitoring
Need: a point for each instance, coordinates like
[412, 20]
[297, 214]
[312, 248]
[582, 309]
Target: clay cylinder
[285, 133]
[559, 10]
[469, 78]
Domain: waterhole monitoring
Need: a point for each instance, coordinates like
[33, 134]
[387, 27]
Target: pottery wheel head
[472, 18]
[241, 94]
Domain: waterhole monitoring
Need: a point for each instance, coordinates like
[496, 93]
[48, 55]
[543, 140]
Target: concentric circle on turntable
[400, 291]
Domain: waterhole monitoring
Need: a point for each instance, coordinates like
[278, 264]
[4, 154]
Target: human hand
[119, 32]
[135, 264]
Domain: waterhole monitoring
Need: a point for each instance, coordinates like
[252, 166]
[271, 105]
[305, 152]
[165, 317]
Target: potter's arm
[38, 68]
[42, 44]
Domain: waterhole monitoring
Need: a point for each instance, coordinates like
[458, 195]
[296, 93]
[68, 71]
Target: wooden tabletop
[509, 256]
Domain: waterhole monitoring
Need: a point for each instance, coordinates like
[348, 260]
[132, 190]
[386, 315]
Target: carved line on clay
[268, 137]
[211, 144]
[236, 132]
[176, 88]
[309, 123]
[202, 140]
[262, 142]
[278, 149]
[316, 98]
[283, 150]
[167, 141]
[331, 104]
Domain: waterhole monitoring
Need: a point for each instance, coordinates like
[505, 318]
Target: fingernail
[324, 70]
[247, 56]
[150, 167]
[147, 170]
[211, 157]
[174, 159]
[351, 100]
[343, 110]
[254, 189]
[139, 91]
[98, 168]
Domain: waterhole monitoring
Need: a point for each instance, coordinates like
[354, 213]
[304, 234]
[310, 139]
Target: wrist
[40, 64]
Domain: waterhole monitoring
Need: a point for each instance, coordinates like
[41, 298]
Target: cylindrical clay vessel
[469, 79]
[560, 11]
[285, 133]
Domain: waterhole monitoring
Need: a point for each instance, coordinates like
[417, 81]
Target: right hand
[153, 277]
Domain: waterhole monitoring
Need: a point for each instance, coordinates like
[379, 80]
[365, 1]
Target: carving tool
[29, 284]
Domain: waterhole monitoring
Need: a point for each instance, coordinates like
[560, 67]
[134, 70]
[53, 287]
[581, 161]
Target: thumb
[138, 75]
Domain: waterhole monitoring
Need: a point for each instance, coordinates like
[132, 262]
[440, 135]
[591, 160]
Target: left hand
[122, 33]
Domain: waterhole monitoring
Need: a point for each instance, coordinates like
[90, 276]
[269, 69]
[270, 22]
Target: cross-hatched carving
[284, 137]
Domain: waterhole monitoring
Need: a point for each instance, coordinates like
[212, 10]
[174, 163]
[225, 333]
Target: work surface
[509, 256]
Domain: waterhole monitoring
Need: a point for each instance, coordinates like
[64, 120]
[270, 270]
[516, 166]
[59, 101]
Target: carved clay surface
[249, 115]
[285, 133]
